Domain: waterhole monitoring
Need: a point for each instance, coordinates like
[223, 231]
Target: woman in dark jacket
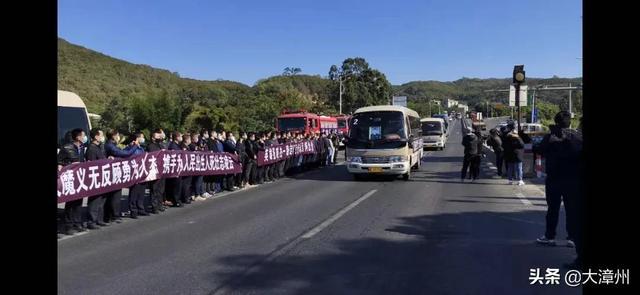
[513, 154]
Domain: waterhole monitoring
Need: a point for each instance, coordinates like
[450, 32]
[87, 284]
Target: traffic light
[518, 74]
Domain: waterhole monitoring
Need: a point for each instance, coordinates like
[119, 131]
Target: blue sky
[407, 40]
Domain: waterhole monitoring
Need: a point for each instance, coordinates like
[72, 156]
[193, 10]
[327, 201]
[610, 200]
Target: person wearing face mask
[136, 191]
[174, 187]
[157, 186]
[73, 152]
[252, 152]
[187, 190]
[241, 179]
[112, 212]
[95, 204]
[210, 180]
[216, 147]
[229, 146]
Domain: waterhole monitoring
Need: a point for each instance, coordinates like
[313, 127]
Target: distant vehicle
[445, 118]
[534, 129]
[433, 133]
[384, 139]
[72, 114]
[302, 121]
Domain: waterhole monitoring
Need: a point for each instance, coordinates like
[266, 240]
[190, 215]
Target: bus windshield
[285, 124]
[431, 128]
[70, 118]
[382, 129]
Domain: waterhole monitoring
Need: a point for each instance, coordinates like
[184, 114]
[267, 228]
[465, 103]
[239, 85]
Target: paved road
[323, 233]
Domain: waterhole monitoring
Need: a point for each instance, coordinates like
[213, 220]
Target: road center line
[337, 215]
[524, 199]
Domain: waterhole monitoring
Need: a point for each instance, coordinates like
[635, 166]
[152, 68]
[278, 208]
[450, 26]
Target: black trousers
[173, 190]
[558, 191]
[499, 161]
[157, 194]
[96, 209]
[186, 188]
[475, 166]
[112, 205]
[252, 170]
[136, 199]
[73, 213]
[465, 166]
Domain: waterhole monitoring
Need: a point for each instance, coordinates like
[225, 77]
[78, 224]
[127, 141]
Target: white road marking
[225, 287]
[337, 215]
[524, 199]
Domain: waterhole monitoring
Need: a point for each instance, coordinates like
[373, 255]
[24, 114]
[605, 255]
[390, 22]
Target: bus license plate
[375, 169]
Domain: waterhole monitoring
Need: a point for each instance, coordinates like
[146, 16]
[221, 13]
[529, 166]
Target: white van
[433, 133]
[384, 140]
[72, 113]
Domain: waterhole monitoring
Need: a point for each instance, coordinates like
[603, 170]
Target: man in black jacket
[241, 178]
[187, 191]
[157, 186]
[495, 142]
[562, 149]
[70, 153]
[229, 146]
[252, 152]
[470, 141]
[174, 185]
[95, 152]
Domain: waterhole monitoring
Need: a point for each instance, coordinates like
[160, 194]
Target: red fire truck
[302, 121]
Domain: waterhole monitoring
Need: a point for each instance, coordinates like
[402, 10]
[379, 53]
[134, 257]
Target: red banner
[85, 179]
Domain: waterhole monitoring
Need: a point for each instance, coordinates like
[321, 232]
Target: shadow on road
[458, 253]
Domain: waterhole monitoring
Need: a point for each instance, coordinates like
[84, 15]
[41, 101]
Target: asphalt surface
[324, 233]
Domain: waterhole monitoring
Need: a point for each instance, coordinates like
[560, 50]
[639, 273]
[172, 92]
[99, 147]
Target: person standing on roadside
[95, 152]
[514, 153]
[495, 142]
[70, 153]
[157, 186]
[113, 202]
[137, 191]
[470, 141]
[174, 185]
[562, 149]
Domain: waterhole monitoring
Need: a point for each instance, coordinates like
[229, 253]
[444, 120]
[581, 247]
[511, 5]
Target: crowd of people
[104, 209]
[562, 150]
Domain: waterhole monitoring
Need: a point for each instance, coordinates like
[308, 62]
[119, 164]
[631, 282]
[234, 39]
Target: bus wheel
[357, 177]
[406, 176]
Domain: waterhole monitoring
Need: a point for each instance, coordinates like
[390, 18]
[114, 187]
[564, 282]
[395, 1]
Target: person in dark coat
[243, 157]
[70, 153]
[95, 204]
[187, 194]
[495, 142]
[252, 151]
[471, 142]
[229, 146]
[562, 149]
[174, 185]
[113, 202]
[513, 155]
[158, 185]
[137, 191]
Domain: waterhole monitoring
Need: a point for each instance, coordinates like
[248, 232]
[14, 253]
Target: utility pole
[340, 78]
[533, 106]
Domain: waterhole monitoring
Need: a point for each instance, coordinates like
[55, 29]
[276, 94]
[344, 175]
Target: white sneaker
[510, 182]
[520, 182]
[571, 244]
[206, 195]
[199, 198]
[543, 240]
